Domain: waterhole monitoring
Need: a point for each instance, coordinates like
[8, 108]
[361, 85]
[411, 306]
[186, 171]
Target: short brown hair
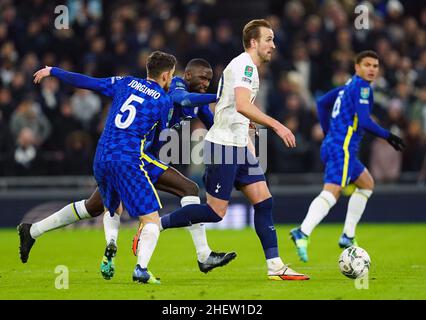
[252, 31]
[366, 54]
[159, 62]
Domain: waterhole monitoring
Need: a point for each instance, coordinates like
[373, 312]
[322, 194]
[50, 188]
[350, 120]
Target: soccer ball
[354, 262]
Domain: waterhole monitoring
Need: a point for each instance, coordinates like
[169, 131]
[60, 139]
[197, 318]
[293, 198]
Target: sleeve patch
[248, 71]
[365, 93]
[244, 79]
[114, 79]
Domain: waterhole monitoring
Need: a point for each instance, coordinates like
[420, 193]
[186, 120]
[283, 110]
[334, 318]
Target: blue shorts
[228, 167]
[131, 183]
[341, 167]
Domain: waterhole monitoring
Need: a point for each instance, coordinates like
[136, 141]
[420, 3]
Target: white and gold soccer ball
[354, 262]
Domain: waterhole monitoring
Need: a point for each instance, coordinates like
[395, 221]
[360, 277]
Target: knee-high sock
[189, 215]
[318, 209]
[147, 243]
[198, 232]
[265, 230]
[111, 227]
[71, 213]
[356, 207]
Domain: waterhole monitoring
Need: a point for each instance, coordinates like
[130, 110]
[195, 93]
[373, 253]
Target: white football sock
[111, 226]
[147, 243]
[318, 209]
[274, 265]
[71, 213]
[356, 207]
[198, 232]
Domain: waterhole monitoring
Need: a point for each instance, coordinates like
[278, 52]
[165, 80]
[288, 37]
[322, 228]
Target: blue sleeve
[325, 105]
[362, 108]
[105, 86]
[186, 99]
[206, 116]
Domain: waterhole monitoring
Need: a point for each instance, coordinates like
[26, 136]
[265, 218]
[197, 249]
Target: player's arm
[362, 108]
[249, 110]
[190, 99]
[101, 85]
[324, 106]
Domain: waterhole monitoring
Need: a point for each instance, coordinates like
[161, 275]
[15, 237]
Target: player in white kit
[228, 161]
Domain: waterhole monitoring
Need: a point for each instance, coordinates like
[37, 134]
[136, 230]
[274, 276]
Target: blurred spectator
[315, 41]
[49, 97]
[78, 154]
[64, 124]
[385, 163]
[27, 115]
[26, 155]
[85, 105]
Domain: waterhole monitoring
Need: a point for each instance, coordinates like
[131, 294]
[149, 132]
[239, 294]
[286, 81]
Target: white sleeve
[243, 74]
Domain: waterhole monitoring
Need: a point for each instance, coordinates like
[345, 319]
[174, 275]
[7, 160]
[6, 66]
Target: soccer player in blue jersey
[198, 74]
[139, 107]
[344, 115]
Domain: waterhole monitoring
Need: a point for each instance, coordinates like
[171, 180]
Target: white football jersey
[230, 127]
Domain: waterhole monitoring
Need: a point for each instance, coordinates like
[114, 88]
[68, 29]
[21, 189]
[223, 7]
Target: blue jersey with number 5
[139, 106]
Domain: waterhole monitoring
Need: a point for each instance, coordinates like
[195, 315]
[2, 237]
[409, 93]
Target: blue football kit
[126, 167]
[344, 115]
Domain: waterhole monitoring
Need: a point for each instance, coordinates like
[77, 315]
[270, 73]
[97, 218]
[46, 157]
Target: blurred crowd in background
[52, 129]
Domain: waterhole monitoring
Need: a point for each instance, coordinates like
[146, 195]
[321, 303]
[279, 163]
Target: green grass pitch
[398, 271]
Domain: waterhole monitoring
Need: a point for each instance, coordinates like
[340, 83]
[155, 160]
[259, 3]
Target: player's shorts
[228, 167]
[131, 183]
[341, 167]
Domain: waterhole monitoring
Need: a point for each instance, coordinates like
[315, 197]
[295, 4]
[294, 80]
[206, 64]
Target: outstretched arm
[101, 85]
[365, 122]
[187, 99]
[249, 110]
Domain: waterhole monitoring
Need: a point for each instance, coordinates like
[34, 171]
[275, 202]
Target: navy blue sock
[265, 229]
[188, 215]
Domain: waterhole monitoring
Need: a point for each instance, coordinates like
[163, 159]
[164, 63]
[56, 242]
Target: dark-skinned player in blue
[344, 115]
[197, 76]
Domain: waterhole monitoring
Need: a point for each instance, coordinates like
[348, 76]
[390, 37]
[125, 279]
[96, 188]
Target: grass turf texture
[397, 251]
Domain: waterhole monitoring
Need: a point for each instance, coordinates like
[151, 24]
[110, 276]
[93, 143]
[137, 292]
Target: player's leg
[112, 225]
[357, 204]
[71, 213]
[139, 196]
[336, 173]
[218, 179]
[250, 179]
[148, 239]
[111, 228]
[172, 181]
[259, 196]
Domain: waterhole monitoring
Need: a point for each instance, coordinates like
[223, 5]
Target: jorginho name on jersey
[230, 127]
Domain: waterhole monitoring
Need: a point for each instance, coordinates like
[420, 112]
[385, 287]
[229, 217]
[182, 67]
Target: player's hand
[42, 73]
[252, 126]
[396, 142]
[287, 136]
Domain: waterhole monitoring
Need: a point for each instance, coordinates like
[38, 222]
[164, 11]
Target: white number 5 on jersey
[337, 104]
[127, 106]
